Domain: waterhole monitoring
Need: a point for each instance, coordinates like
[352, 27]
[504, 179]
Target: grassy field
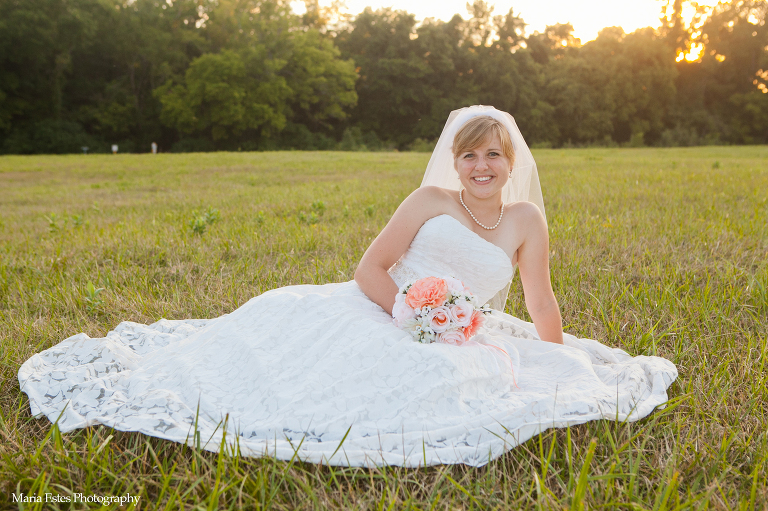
[656, 251]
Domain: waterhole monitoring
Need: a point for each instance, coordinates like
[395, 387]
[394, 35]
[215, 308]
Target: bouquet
[438, 310]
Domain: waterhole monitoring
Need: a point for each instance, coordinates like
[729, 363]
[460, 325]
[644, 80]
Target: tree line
[198, 75]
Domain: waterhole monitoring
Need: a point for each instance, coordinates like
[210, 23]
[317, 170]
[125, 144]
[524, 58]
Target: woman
[483, 157]
[322, 372]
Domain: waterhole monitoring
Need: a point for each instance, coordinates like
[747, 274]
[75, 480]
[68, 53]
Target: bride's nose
[481, 163]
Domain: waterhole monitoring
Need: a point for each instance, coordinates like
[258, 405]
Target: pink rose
[400, 311]
[455, 286]
[454, 338]
[426, 292]
[475, 323]
[439, 319]
[461, 313]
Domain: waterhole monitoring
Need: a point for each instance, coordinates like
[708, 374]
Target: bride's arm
[392, 242]
[533, 261]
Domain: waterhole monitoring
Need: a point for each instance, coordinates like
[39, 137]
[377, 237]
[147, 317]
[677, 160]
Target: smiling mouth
[482, 179]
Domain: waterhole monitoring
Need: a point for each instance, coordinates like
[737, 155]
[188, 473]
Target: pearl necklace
[461, 199]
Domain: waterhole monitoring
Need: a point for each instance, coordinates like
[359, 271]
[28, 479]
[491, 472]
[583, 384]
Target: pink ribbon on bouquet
[511, 366]
[475, 343]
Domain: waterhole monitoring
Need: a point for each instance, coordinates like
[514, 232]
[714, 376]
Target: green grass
[656, 251]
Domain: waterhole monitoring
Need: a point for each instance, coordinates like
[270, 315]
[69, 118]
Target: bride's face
[483, 170]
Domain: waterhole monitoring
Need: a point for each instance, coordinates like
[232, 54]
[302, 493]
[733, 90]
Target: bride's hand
[533, 261]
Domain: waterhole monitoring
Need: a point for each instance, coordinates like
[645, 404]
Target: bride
[323, 373]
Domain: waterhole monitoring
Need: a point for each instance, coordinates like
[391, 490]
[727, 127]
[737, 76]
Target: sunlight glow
[762, 75]
[299, 7]
[694, 53]
[588, 17]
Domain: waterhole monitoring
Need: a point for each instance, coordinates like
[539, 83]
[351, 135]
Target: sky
[588, 17]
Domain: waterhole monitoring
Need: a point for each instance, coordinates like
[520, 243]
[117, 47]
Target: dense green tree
[288, 73]
[206, 74]
[227, 93]
[411, 78]
[93, 64]
[234, 24]
[505, 75]
[153, 41]
[448, 84]
[719, 96]
[38, 41]
[322, 85]
[734, 66]
[392, 91]
[614, 88]
[553, 43]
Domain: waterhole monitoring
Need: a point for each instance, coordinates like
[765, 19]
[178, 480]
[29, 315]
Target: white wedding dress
[298, 369]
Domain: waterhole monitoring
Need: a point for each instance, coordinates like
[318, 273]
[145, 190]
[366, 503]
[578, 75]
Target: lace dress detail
[402, 273]
[297, 368]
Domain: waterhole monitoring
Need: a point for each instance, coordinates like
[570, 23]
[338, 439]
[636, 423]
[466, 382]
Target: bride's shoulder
[524, 213]
[432, 192]
[431, 198]
[523, 208]
[421, 205]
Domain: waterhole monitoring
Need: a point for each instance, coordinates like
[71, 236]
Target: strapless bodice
[444, 247]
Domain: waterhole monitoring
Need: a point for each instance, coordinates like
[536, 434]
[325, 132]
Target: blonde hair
[479, 129]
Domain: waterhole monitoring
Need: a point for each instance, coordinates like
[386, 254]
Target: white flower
[455, 286]
[456, 338]
[410, 325]
[401, 311]
[461, 313]
[439, 319]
